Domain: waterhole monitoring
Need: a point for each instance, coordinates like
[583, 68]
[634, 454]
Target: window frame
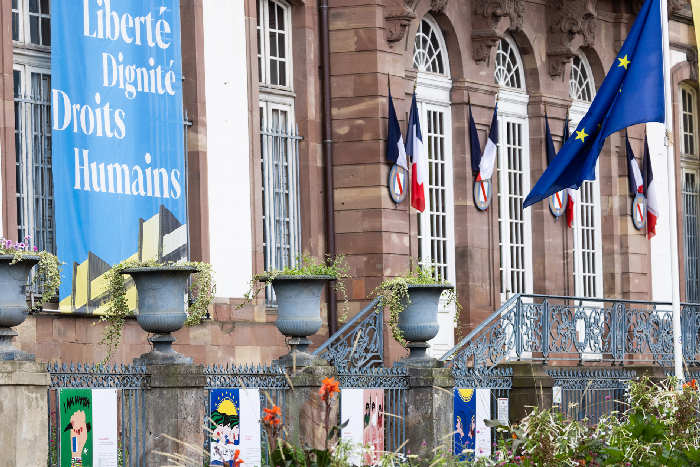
[512, 109]
[23, 31]
[695, 155]
[440, 53]
[27, 218]
[689, 253]
[577, 111]
[262, 31]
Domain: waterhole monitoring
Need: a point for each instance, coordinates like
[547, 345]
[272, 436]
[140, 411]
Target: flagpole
[671, 171]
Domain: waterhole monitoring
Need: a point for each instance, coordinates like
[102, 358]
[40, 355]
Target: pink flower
[608, 397]
[36, 248]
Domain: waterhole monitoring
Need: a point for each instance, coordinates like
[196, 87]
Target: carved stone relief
[437, 6]
[397, 18]
[491, 19]
[572, 25]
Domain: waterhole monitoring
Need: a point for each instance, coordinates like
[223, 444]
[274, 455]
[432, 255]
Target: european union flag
[632, 92]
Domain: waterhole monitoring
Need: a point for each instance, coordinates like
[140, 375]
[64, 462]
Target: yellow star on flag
[581, 135]
[624, 62]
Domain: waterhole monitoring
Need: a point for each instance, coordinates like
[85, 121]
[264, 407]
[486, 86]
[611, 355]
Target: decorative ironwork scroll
[95, 375]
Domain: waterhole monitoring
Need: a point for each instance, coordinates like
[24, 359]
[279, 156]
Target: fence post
[545, 330]
[516, 328]
[175, 406]
[430, 410]
[24, 409]
[304, 413]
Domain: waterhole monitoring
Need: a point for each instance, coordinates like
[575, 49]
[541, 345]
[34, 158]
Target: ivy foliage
[47, 278]
[393, 295]
[202, 292]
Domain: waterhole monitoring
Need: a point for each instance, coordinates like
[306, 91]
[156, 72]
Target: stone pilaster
[429, 408]
[175, 406]
[23, 405]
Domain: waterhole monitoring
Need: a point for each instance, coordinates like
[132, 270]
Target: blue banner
[118, 140]
[464, 423]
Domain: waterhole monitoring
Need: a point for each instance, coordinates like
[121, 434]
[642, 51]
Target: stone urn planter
[298, 314]
[418, 322]
[161, 309]
[13, 302]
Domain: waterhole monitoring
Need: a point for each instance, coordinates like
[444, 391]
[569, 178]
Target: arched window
[509, 68]
[436, 247]
[515, 232]
[690, 168]
[429, 48]
[588, 252]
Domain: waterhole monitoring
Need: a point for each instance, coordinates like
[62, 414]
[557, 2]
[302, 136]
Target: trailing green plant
[47, 278]
[306, 265]
[202, 292]
[393, 295]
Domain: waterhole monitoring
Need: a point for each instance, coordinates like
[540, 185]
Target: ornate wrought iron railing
[557, 328]
[589, 393]
[359, 343]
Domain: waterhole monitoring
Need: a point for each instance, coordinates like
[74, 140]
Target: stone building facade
[252, 91]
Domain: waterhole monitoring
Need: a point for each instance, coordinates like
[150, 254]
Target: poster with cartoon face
[75, 418]
[373, 425]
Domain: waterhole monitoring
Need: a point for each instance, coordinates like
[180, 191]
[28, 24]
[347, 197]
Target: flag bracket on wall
[398, 183]
[639, 211]
[557, 203]
[482, 194]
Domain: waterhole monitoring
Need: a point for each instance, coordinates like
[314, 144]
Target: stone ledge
[430, 377]
[176, 376]
[18, 373]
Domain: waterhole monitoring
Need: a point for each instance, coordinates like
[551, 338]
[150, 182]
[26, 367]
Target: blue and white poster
[118, 140]
[471, 435]
[235, 427]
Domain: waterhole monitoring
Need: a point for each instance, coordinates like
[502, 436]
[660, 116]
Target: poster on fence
[88, 427]
[363, 409]
[235, 426]
[118, 156]
[471, 435]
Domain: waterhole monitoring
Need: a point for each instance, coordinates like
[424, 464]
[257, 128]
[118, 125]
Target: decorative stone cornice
[691, 56]
[438, 6]
[490, 20]
[396, 21]
[572, 24]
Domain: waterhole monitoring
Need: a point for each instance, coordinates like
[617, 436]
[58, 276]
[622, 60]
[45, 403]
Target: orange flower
[272, 416]
[514, 436]
[236, 460]
[329, 387]
[692, 384]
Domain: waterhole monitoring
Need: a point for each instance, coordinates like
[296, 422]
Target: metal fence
[130, 381]
[394, 382]
[587, 394]
[548, 328]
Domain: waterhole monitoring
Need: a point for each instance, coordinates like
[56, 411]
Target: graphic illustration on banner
[373, 425]
[118, 156]
[75, 425]
[464, 423]
[235, 426]
[226, 424]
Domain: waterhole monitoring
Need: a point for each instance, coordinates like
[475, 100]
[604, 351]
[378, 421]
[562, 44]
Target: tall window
[515, 232]
[588, 254]
[278, 137]
[31, 33]
[436, 248]
[690, 162]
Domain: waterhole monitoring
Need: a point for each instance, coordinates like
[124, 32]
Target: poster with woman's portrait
[373, 425]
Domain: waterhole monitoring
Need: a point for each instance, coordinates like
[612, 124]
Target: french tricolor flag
[634, 178]
[649, 191]
[415, 149]
[488, 160]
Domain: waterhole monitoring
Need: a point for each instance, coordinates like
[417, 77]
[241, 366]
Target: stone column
[430, 409]
[305, 411]
[532, 387]
[175, 406]
[23, 405]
